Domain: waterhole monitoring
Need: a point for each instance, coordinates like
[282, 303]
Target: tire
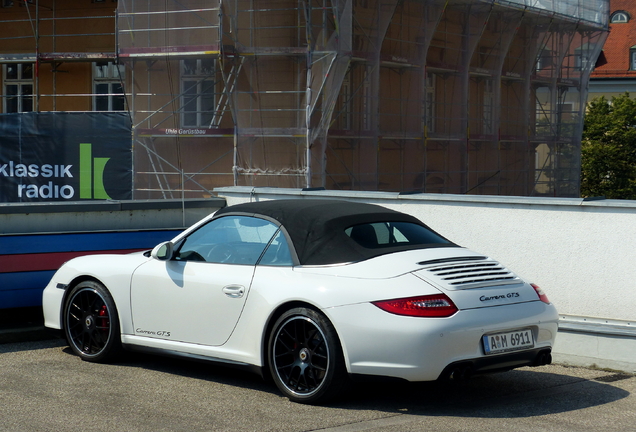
[91, 323]
[305, 358]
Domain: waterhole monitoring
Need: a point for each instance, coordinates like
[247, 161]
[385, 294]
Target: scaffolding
[56, 46]
[436, 96]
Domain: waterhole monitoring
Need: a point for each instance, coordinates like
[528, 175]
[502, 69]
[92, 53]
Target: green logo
[91, 177]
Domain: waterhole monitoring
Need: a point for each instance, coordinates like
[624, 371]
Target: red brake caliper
[104, 322]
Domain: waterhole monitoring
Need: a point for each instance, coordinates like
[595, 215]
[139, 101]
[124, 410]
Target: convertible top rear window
[390, 234]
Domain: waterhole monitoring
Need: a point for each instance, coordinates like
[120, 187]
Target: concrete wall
[77, 216]
[582, 253]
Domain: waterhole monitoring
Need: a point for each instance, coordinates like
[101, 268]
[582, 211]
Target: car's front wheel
[305, 357]
[91, 323]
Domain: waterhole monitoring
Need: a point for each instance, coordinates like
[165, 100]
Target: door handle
[234, 291]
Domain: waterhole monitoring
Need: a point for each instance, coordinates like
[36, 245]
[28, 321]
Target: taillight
[437, 305]
[542, 296]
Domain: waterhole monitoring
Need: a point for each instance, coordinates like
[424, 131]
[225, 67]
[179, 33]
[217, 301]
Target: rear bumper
[377, 343]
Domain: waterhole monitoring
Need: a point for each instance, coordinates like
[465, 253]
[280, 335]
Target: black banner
[67, 156]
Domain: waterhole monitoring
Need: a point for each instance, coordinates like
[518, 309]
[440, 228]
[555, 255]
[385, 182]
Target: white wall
[582, 253]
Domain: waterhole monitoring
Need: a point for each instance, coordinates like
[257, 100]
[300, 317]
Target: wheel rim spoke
[88, 322]
[301, 355]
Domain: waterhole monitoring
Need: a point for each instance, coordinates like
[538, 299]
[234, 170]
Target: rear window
[390, 234]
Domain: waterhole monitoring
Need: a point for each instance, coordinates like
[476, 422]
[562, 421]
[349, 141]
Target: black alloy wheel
[305, 358]
[91, 323]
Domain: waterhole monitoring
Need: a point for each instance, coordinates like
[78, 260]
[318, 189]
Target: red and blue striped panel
[28, 261]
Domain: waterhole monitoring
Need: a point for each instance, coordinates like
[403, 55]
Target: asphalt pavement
[44, 387]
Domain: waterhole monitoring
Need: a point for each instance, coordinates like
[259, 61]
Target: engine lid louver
[468, 272]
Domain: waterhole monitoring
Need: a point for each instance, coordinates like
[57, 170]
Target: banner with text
[65, 156]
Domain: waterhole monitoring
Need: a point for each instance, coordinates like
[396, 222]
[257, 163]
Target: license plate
[508, 341]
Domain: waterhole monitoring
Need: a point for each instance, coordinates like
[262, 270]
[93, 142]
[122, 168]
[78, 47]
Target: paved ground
[43, 387]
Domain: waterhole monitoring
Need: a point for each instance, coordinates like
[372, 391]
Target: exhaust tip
[544, 358]
[461, 373]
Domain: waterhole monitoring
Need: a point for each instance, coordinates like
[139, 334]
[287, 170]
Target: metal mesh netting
[482, 97]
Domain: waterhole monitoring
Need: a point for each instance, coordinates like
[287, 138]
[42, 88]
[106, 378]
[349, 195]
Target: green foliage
[608, 148]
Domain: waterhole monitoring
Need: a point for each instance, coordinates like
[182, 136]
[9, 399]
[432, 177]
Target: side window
[277, 253]
[228, 240]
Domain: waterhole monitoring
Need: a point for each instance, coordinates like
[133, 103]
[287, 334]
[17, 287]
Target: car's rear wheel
[91, 323]
[305, 357]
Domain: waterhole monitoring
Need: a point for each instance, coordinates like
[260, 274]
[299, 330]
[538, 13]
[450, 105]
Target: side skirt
[195, 357]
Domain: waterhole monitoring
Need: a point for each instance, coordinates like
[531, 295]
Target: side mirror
[163, 251]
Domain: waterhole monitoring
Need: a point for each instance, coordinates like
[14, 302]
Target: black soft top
[317, 227]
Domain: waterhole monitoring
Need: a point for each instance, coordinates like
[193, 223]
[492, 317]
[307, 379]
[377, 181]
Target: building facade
[464, 97]
[615, 71]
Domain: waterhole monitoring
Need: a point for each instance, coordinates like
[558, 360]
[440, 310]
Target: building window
[488, 106]
[544, 59]
[346, 97]
[17, 87]
[582, 59]
[107, 87]
[566, 110]
[367, 105]
[429, 103]
[197, 92]
[632, 58]
[619, 17]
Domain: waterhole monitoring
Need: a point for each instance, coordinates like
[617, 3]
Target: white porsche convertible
[311, 292]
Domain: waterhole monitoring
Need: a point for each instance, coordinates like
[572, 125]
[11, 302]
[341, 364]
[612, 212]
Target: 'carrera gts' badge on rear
[499, 297]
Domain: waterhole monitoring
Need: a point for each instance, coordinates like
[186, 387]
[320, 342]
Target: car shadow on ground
[520, 393]
[525, 392]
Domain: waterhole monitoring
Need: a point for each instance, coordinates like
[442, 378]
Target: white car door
[199, 294]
